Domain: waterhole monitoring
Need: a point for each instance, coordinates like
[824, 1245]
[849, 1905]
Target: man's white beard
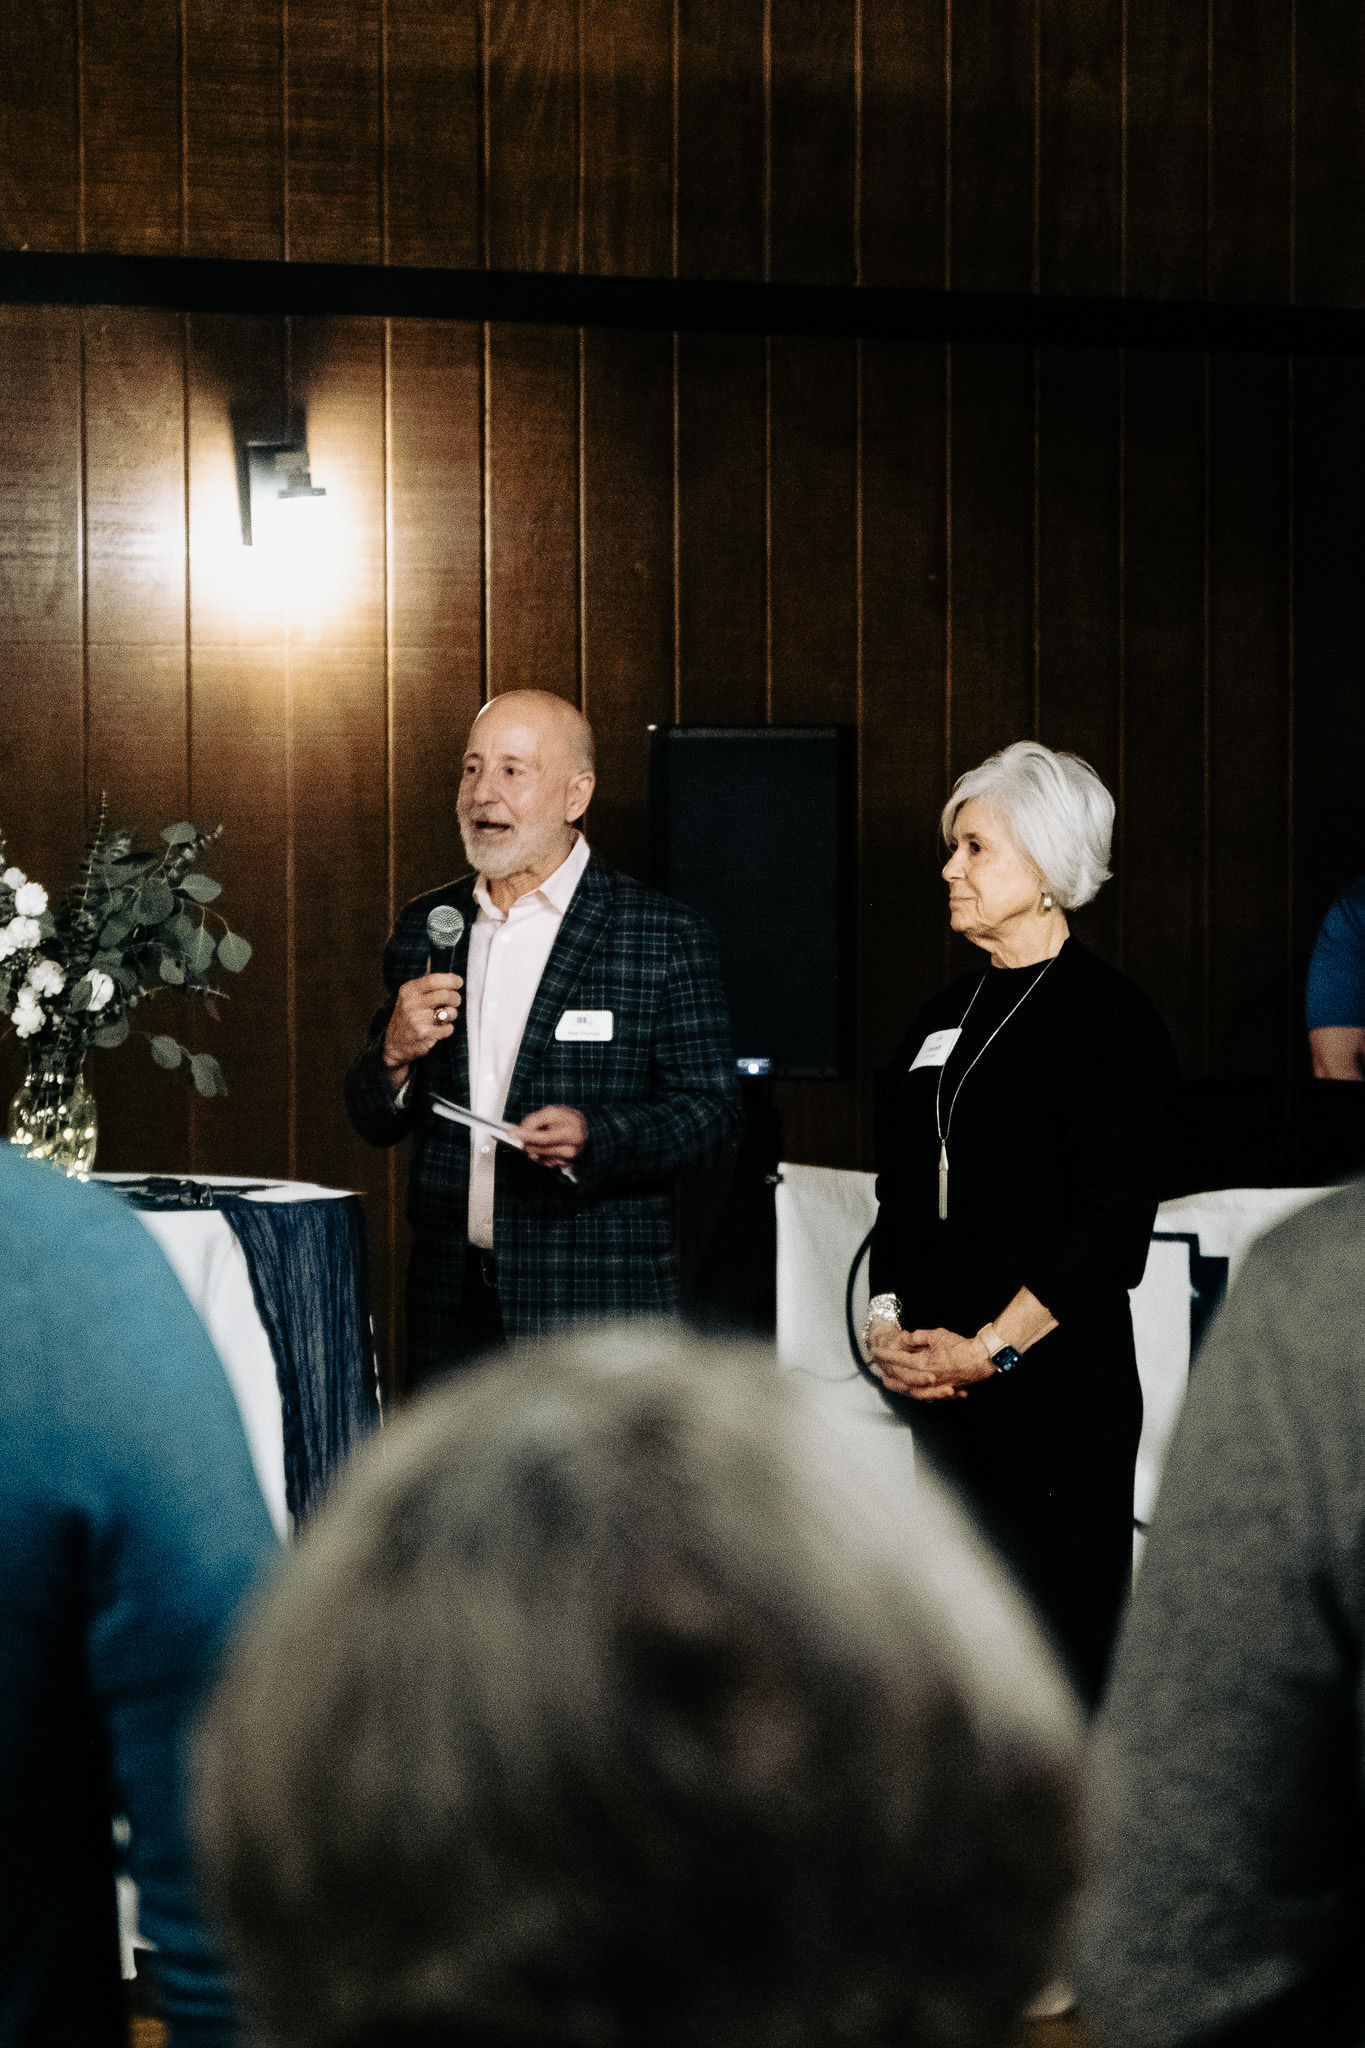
[521, 849]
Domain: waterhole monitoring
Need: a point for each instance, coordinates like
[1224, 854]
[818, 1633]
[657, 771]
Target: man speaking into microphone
[577, 1020]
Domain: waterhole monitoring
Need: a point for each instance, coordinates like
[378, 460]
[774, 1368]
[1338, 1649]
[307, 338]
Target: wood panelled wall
[1153, 559]
[1181, 148]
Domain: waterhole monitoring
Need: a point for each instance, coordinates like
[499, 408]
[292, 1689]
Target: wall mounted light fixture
[272, 465]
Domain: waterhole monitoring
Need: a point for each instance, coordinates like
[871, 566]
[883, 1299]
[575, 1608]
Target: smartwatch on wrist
[1003, 1356]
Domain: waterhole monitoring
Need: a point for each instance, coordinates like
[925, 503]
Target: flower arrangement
[134, 923]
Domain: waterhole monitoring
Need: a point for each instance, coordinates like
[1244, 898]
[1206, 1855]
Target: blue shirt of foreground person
[131, 1525]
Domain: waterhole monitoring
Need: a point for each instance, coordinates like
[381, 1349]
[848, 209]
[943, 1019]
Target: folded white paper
[453, 1112]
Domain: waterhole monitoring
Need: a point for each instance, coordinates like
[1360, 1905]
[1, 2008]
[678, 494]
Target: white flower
[28, 1018]
[14, 878]
[24, 932]
[45, 978]
[30, 899]
[101, 988]
[7, 945]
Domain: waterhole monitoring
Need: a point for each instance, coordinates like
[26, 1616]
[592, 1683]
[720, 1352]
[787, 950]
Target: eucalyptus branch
[125, 932]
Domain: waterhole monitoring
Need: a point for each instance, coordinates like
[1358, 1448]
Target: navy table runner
[309, 1270]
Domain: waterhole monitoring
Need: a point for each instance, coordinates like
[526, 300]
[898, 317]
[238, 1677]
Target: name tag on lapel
[586, 1024]
[936, 1048]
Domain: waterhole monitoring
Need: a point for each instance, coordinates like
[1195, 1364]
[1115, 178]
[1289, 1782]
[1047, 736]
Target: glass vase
[53, 1115]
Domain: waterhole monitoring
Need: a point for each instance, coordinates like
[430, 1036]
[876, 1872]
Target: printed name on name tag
[585, 1024]
[936, 1048]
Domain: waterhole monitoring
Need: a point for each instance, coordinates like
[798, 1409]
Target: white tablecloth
[824, 1214]
[207, 1259]
[210, 1265]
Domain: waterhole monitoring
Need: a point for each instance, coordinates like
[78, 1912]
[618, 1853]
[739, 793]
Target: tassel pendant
[943, 1181]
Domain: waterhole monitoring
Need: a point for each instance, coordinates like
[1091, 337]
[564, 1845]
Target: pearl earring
[1047, 903]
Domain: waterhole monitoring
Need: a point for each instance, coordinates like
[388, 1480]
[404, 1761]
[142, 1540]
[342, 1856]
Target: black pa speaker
[756, 827]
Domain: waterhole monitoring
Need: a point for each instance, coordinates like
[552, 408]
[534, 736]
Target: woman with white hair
[1019, 1159]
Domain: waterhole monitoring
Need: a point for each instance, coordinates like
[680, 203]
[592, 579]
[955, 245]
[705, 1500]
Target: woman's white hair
[1055, 809]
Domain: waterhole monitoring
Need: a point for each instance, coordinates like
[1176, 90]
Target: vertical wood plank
[40, 389]
[436, 563]
[532, 148]
[130, 71]
[628, 137]
[234, 128]
[1329, 632]
[992, 146]
[991, 510]
[338, 793]
[1161, 820]
[903, 751]
[991, 564]
[1252, 145]
[435, 590]
[1330, 145]
[720, 141]
[39, 168]
[333, 154]
[813, 659]
[1165, 229]
[42, 798]
[814, 649]
[239, 780]
[812, 125]
[135, 604]
[627, 577]
[239, 750]
[532, 457]
[722, 575]
[1248, 828]
[433, 148]
[1079, 675]
[135, 497]
[904, 130]
[1080, 146]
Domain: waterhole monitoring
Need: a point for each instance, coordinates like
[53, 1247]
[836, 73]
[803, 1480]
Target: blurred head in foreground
[620, 1696]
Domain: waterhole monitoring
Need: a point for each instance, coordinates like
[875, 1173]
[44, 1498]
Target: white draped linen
[825, 1213]
[210, 1265]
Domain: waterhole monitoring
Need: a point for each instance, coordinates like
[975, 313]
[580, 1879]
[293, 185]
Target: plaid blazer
[659, 1094]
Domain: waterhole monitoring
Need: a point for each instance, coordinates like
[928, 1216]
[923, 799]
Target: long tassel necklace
[942, 1129]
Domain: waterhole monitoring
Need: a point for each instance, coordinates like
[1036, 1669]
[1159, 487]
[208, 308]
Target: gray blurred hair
[1055, 809]
[621, 1699]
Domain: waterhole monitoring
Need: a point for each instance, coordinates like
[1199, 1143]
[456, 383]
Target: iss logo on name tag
[936, 1048]
[585, 1025]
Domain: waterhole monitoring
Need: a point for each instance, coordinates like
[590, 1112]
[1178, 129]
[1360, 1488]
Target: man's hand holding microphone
[424, 1013]
[425, 1010]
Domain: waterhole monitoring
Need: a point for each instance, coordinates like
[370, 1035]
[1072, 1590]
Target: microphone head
[445, 926]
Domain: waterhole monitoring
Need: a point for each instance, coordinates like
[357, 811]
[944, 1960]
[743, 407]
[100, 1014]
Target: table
[278, 1273]
[824, 1217]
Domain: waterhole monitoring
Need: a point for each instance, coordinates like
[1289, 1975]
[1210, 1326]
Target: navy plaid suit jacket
[661, 1093]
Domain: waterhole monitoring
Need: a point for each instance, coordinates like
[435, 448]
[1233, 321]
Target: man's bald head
[527, 780]
[561, 722]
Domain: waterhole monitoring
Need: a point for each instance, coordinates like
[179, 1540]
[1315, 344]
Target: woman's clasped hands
[929, 1365]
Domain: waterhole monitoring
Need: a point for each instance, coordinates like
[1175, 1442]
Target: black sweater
[1054, 1146]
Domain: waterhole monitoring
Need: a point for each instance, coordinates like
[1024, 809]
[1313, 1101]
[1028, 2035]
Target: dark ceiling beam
[198, 284]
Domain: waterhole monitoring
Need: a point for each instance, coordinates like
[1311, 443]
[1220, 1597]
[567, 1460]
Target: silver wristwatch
[883, 1308]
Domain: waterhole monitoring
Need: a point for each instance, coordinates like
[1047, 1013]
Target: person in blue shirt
[131, 1524]
[1335, 1002]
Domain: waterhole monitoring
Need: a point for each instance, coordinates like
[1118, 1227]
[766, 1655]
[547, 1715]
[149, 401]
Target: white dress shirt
[507, 955]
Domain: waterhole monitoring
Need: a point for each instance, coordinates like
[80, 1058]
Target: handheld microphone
[445, 929]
